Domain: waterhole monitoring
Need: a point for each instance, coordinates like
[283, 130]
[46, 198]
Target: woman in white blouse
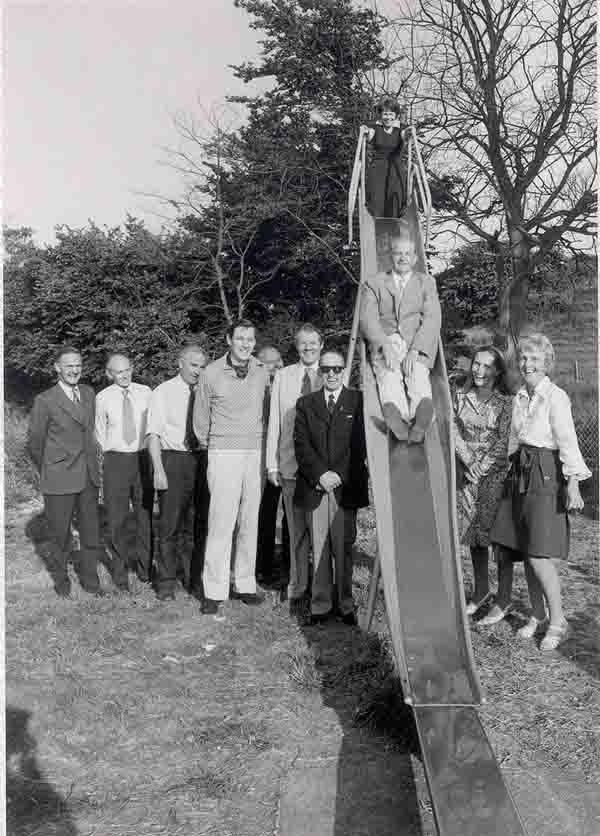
[541, 488]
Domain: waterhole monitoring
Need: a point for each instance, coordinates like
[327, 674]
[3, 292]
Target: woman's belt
[523, 462]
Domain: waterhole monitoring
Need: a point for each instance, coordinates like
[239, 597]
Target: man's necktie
[306, 384]
[76, 395]
[331, 404]
[129, 430]
[190, 441]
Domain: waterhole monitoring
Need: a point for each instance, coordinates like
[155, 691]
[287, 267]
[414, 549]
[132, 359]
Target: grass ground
[127, 717]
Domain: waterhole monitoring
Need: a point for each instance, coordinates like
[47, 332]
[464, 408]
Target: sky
[89, 94]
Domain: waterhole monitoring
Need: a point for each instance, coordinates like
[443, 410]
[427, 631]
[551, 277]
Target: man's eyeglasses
[331, 369]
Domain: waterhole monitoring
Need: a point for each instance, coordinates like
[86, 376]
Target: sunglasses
[331, 369]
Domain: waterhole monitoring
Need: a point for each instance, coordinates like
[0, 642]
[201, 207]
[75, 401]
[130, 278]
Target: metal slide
[414, 495]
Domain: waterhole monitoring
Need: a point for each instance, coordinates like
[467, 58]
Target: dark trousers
[201, 503]
[60, 509]
[267, 523]
[128, 476]
[180, 520]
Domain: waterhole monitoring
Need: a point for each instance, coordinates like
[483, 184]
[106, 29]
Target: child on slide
[400, 318]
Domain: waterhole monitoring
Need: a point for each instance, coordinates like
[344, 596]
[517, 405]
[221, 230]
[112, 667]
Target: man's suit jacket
[331, 442]
[285, 392]
[62, 442]
[414, 313]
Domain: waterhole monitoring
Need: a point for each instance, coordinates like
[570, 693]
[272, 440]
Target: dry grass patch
[127, 716]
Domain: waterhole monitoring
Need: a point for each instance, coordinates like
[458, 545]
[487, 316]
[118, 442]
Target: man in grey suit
[400, 318]
[64, 450]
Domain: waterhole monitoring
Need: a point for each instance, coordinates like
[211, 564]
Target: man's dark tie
[76, 395]
[306, 384]
[191, 442]
[331, 404]
[129, 431]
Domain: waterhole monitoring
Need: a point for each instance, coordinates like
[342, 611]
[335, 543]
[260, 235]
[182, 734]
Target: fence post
[577, 371]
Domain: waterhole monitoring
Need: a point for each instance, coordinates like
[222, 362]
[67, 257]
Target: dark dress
[386, 175]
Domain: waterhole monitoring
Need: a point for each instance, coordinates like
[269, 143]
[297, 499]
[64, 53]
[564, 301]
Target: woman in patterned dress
[386, 175]
[542, 486]
[481, 425]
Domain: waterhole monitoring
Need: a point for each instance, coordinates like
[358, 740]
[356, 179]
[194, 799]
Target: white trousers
[235, 480]
[394, 387]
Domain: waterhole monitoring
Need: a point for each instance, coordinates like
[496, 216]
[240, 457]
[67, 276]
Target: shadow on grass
[33, 807]
[583, 644]
[36, 530]
[375, 790]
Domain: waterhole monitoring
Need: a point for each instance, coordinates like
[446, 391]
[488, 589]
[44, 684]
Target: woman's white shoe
[555, 635]
[528, 631]
[495, 615]
[473, 606]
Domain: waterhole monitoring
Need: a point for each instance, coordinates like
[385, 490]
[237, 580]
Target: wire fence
[586, 425]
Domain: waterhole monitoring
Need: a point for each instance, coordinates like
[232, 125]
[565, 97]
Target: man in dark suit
[63, 448]
[331, 484]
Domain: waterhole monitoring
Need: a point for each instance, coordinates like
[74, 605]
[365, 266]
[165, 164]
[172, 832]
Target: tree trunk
[514, 290]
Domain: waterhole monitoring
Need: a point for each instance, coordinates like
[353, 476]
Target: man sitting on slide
[400, 318]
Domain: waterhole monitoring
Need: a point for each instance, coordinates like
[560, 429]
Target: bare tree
[509, 87]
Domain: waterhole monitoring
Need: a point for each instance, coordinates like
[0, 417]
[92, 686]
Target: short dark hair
[240, 323]
[307, 328]
[65, 349]
[332, 348]
[388, 103]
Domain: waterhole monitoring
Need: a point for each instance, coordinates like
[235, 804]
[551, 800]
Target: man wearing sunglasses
[331, 484]
[400, 318]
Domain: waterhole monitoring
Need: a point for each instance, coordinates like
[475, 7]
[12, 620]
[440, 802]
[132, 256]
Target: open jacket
[62, 443]
[413, 312]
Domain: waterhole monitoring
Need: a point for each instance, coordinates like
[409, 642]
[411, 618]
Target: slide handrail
[417, 174]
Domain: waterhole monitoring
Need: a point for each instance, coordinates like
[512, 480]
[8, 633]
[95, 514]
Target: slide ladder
[419, 555]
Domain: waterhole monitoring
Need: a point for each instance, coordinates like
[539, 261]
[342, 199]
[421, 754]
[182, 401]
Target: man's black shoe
[319, 618]
[350, 619]
[251, 599]
[210, 607]
[62, 588]
[166, 595]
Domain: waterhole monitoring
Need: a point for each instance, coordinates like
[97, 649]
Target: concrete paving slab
[362, 792]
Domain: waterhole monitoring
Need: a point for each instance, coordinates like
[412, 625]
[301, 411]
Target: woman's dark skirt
[532, 517]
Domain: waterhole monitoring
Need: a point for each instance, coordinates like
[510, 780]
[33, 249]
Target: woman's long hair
[500, 384]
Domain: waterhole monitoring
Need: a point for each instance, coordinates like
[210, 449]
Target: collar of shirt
[69, 390]
[327, 393]
[183, 384]
[312, 370]
[541, 390]
[252, 364]
[471, 396]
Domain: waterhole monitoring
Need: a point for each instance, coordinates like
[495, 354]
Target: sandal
[495, 615]
[529, 629]
[473, 606]
[555, 635]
